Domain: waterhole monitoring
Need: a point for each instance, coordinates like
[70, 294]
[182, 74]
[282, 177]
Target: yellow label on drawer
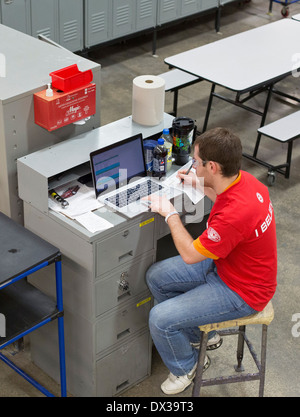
[147, 222]
[143, 302]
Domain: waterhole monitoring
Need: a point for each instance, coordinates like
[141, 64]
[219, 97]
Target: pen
[70, 191]
[187, 172]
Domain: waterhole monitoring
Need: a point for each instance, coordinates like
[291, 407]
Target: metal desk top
[19, 54]
[245, 61]
[20, 249]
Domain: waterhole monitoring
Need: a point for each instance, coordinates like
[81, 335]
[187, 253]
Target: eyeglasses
[196, 163]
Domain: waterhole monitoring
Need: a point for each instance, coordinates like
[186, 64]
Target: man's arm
[181, 237]
[184, 241]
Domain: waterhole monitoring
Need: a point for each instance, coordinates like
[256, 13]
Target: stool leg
[240, 349]
[201, 359]
[263, 359]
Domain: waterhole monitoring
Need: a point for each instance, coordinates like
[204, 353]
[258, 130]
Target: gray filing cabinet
[28, 62]
[106, 299]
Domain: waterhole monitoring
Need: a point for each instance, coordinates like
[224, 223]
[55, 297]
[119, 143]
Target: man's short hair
[222, 146]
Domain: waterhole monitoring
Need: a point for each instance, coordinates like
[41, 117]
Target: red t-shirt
[241, 238]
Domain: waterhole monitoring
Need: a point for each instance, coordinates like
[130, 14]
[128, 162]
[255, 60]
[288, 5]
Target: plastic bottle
[168, 144]
[159, 159]
[149, 146]
[49, 91]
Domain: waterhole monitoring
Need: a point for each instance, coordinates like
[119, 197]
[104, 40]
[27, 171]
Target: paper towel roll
[148, 100]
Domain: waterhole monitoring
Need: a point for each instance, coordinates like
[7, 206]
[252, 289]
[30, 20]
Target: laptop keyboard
[133, 194]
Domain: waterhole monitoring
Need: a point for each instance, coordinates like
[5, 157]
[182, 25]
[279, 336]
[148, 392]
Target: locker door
[44, 18]
[71, 24]
[97, 22]
[189, 7]
[209, 4]
[16, 14]
[167, 11]
[146, 14]
[123, 18]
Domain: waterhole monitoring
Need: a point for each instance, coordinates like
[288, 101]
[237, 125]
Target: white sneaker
[176, 384]
[212, 343]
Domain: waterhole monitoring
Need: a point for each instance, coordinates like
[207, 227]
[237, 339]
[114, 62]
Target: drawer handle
[126, 233]
[123, 334]
[123, 385]
[126, 255]
[123, 296]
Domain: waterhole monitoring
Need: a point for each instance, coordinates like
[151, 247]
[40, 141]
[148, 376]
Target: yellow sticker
[143, 302]
[147, 222]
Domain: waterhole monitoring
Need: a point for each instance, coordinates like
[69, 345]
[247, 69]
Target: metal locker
[97, 22]
[188, 7]
[16, 14]
[209, 4]
[167, 11]
[70, 24]
[44, 19]
[146, 14]
[123, 18]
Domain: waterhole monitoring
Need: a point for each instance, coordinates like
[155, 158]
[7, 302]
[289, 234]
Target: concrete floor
[120, 64]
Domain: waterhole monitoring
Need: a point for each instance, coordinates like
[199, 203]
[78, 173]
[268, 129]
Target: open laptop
[120, 176]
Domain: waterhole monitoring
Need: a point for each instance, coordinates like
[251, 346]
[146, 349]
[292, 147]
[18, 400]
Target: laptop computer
[120, 176]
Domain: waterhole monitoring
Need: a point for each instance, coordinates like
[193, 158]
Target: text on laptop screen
[115, 165]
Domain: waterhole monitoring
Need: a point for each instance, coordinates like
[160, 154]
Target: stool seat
[262, 317]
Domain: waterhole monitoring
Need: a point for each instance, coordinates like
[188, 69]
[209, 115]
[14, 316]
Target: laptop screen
[115, 165]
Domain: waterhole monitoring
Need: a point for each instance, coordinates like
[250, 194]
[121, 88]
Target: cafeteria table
[245, 64]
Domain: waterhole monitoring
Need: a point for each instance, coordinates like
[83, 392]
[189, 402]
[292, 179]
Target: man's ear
[214, 167]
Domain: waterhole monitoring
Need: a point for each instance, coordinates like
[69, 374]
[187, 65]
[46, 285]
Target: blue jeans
[188, 296]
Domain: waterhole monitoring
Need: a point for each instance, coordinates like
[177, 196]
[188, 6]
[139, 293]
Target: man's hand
[190, 179]
[159, 204]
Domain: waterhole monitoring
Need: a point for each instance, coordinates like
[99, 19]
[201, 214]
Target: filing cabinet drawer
[124, 246]
[123, 323]
[124, 367]
[123, 285]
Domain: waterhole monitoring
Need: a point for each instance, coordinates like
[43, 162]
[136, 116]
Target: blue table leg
[61, 341]
[25, 376]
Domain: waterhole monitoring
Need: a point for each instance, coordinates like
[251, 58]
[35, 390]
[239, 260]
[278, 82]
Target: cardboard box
[64, 108]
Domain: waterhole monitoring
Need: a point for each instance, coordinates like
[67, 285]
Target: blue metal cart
[285, 6]
[23, 308]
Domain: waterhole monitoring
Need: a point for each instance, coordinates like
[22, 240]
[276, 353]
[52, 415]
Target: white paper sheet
[195, 195]
[92, 222]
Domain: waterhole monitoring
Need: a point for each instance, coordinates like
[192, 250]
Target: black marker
[58, 198]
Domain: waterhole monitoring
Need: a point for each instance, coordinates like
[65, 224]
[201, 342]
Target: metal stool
[263, 317]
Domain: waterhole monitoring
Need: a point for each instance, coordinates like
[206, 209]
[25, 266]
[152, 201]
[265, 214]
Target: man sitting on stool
[226, 273]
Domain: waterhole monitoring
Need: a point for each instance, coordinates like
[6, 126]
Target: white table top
[283, 129]
[247, 60]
